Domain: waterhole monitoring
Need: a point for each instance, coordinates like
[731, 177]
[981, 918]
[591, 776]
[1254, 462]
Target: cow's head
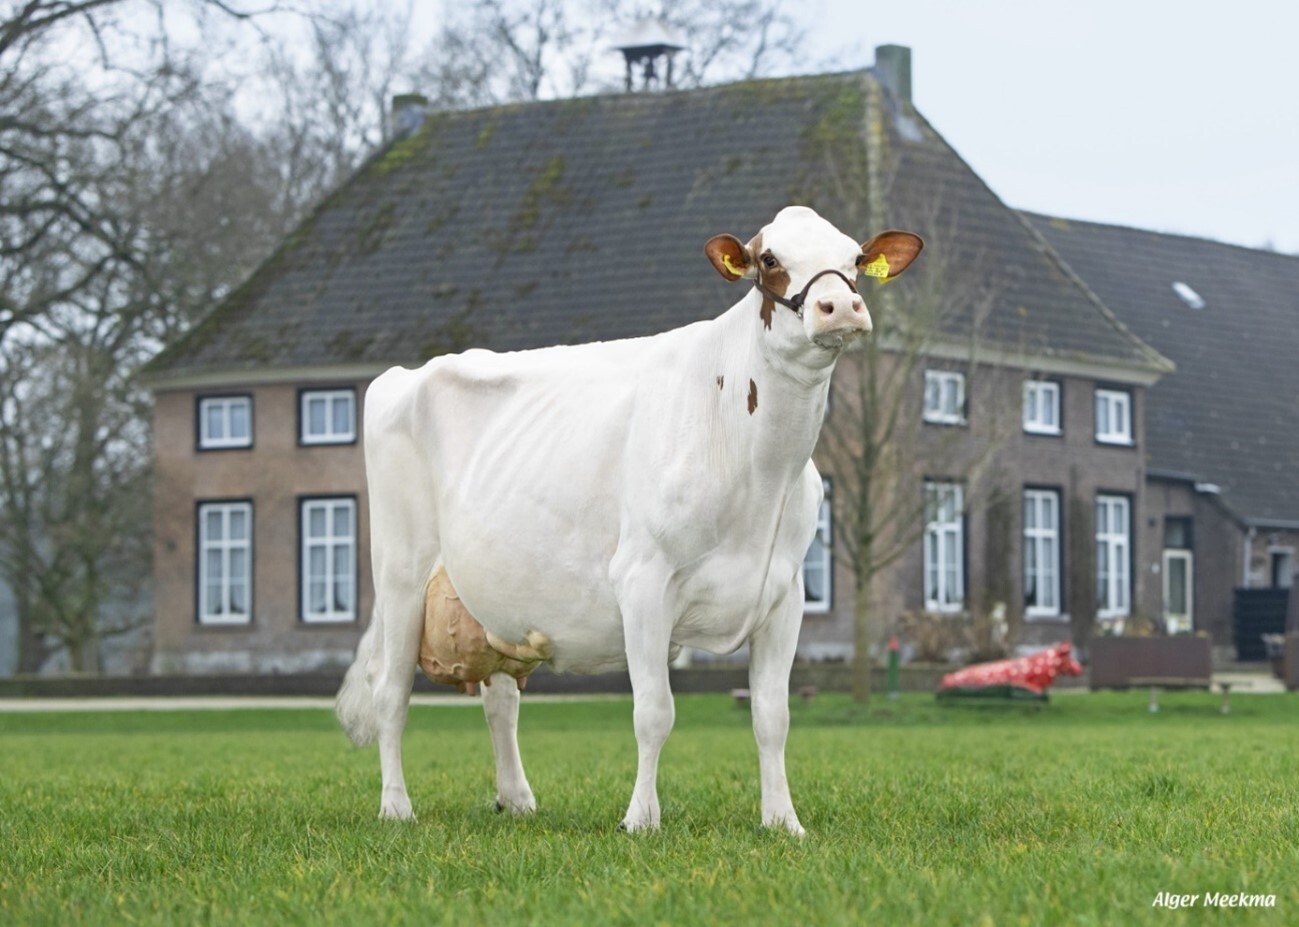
[806, 271]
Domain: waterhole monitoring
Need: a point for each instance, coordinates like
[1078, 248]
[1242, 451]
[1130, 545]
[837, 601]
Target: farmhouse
[1022, 396]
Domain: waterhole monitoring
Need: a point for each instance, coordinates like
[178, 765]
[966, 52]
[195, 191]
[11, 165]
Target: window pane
[317, 523]
[317, 562]
[238, 524]
[1102, 415]
[343, 595]
[317, 596]
[212, 599]
[239, 598]
[212, 526]
[215, 421]
[343, 520]
[239, 419]
[238, 565]
[316, 415]
[343, 559]
[343, 415]
[213, 567]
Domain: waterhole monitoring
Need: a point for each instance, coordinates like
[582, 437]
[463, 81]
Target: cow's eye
[769, 261]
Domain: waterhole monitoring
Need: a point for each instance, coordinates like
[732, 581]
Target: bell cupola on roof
[649, 41]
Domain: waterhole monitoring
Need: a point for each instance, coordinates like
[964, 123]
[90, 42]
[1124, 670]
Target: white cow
[604, 504]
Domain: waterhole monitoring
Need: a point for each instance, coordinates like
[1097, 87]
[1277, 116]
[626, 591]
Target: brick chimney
[893, 64]
[408, 110]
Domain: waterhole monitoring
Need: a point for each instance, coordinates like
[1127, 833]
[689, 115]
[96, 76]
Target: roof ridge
[1185, 236]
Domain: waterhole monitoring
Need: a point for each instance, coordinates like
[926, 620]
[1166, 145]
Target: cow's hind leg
[402, 624]
[501, 705]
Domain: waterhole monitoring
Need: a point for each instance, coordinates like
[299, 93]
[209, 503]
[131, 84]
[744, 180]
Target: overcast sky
[1174, 116]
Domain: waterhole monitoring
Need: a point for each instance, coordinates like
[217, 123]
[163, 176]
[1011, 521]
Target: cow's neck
[784, 398]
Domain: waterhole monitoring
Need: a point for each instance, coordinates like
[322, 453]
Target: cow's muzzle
[797, 301]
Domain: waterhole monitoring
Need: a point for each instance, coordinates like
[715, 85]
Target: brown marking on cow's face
[721, 381]
[771, 274]
[753, 397]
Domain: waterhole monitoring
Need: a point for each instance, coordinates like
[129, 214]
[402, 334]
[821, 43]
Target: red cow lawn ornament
[1023, 678]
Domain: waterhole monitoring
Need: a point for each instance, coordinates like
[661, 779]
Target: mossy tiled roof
[557, 222]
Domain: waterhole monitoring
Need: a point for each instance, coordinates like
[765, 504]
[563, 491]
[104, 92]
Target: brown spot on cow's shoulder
[753, 397]
[768, 307]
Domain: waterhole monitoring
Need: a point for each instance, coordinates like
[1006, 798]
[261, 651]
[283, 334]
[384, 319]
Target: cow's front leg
[501, 705]
[771, 656]
[648, 631]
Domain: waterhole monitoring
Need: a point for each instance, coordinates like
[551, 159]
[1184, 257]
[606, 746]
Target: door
[1178, 591]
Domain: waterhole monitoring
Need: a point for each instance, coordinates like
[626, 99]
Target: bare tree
[101, 118]
[874, 441]
[496, 51]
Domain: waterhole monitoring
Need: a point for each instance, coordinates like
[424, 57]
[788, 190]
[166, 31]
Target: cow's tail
[354, 705]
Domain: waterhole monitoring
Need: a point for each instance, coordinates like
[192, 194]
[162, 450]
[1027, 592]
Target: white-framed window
[944, 397]
[1113, 416]
[818, 564]
[328, 416]
[1042, 407]
[328, 560]
[1113, 556]
[225, 422]
[944, 547]
[1041, 553]
[225, 558]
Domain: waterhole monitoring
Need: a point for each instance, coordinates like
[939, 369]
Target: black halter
[796, 303]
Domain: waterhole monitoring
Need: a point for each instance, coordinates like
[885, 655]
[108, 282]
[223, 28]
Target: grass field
[1079, 813]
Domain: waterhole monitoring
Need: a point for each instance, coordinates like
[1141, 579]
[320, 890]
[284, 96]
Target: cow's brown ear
[888, 254]
[729, 256]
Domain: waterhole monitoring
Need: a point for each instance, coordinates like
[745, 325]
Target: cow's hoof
[633, 827]
[396, 812]
[519, 807]
[788, 824]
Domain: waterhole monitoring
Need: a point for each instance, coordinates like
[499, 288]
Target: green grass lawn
[1080, 812]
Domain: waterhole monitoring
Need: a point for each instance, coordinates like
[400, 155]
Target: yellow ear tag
[726, 261]
[877, 268]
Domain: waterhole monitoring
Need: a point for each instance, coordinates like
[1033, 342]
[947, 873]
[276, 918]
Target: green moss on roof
[404, 151]
[545, 188]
